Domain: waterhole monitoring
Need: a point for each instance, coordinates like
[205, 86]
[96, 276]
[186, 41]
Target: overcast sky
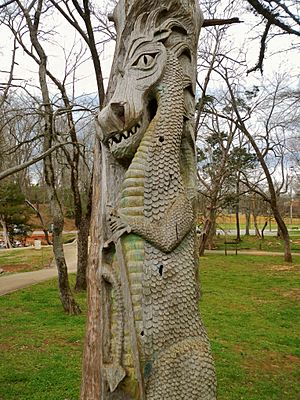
[239, 36]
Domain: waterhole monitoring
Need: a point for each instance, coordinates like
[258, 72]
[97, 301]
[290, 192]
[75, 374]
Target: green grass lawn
[69, 237]
[250, 306]
[269, 243]
[29, 259]
[21, 260]
[40, 346]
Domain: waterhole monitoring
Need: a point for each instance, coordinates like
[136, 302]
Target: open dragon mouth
[119, 137]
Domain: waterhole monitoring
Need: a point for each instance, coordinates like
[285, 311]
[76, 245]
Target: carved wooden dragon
[158, 347]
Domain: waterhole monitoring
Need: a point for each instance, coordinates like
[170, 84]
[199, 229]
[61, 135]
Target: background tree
[14, 215]
[269, 124]
[69, 122]
[279, 17]
[32, 17]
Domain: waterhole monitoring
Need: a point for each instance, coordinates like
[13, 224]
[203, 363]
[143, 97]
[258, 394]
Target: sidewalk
[13, 282]
[250, 252]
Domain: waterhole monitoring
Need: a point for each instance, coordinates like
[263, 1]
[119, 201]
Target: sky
[62, 40]
[65, 38]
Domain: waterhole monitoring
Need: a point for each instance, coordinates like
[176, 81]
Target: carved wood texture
[155, 346]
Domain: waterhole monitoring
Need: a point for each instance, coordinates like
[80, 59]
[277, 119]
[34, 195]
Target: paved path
[13, 282]
[250, 252]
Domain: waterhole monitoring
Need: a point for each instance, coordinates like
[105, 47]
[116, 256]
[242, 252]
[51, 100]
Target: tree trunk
[118, 345]
[279, 233]
[5, 234]
[237, 219]
[203, 238]
[40, 217]
[212, 231]
[284, 234]
[82, 254]
[67, 300]
[263, 229]
[237, 209]
[92, 380]
[247, 217]
[66, 297]
[257, 232]
[208, 233]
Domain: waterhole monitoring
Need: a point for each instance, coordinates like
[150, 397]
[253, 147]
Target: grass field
[228, 221]
[269, 243]
[250, 305]
[251, 308]
[40, 346]
[28, 259]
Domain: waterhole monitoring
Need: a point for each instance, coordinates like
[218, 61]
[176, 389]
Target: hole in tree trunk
[152, 108]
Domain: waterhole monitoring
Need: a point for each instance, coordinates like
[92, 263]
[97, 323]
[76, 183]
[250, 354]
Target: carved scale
[159, 349]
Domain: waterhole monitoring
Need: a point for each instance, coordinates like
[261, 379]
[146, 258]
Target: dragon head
[140, 59]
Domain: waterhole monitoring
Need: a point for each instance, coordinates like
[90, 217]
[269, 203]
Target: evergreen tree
[14, 214]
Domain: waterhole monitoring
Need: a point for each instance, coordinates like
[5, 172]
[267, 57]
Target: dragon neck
[154, 174]
[163, 179]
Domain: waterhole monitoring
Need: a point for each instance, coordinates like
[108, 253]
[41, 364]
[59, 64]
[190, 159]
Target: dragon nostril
[119, 110]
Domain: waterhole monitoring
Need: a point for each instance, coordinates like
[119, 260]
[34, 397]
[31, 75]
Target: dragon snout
[118, 110]
[112, 118]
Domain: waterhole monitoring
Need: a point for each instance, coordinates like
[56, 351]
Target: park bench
[233, 244]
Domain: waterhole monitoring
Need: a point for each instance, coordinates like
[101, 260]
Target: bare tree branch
[286, 9]
[214, 22]
[261, 57]
[6, 4]
[272, 17]
[89, 38]
[11, 74]
[17, 168]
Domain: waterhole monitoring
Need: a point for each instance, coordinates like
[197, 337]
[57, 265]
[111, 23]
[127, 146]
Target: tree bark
[5, 234]
[272, 199]
[237, 221]
[263, 229]
[107, 248]
[92, 380]
[203, 238]
[40, 217]
[82, 255]
[284, 234]
[257, 232]
[247, 217]
[237, 210]
[66, 297]
[212, 231]
[68, 302]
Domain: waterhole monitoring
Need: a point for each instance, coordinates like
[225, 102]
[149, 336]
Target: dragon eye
[144, 61]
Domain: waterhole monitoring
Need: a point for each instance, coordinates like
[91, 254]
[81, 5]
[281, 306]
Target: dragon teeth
[118, 137]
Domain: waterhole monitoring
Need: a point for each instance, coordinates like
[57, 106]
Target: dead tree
[32, 23]
[145, 338]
